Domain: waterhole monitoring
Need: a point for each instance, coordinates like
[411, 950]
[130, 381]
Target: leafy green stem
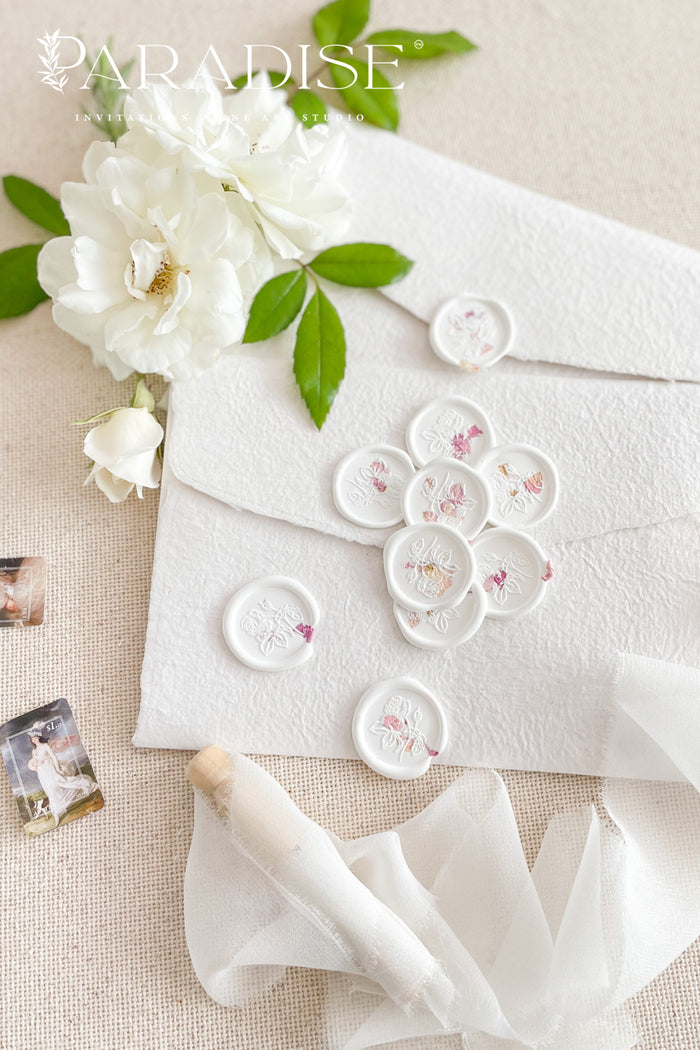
[106, 94]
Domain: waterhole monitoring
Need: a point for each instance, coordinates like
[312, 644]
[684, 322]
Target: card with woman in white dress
[51, 776]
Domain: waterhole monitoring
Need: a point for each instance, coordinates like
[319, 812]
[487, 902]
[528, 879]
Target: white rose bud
[124, 453]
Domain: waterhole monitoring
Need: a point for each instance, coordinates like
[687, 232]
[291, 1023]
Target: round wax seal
[523, 482]
[449, 427]
[269, 624]
[471, 333]
[367, 485]
[443, 628]
[447, 492]
[513, 571]
[398, 728]
[428, 567]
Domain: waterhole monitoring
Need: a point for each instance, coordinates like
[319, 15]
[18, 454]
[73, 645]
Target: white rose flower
[123, 450]
[160, 268]
[252, 142]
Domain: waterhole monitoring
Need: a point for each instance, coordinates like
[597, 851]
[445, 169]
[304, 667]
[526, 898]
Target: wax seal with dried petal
[512, 570]
[450, 427]
[471, 332]
[447, 492]
[428, 567]
[398, 728]
[367, 485]
[524, 484]
[270, 624]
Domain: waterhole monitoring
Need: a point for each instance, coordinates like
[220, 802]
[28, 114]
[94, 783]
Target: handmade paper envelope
[247, 491]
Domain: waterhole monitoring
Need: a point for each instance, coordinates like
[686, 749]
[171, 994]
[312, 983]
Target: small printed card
[22, 588]
[50, 773]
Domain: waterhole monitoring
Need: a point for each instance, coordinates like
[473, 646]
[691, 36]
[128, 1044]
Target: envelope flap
[583, 290]
[624, 449]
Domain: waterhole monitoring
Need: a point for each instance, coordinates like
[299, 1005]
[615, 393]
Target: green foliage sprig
[108, 94]
[341, 23]
[338, 26]
[20, 290]
[319, 348]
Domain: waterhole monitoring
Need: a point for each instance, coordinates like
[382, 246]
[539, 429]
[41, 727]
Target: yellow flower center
[164, 278]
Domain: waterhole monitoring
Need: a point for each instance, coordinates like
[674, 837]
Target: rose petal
[115, 489]
[147, 259]
[55, 268]
[169, 319]
[128, 431]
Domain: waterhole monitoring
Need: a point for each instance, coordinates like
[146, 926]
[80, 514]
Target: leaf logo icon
[53, 72]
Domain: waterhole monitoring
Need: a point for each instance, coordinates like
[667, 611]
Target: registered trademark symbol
[418, 44]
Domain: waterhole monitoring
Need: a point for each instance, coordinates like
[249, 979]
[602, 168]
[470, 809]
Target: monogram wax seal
[398, 728]
[451, 427]
[367, 485]
[447, 492]
[428, 567]
[512, 570]
[524, 484]
[270, 624]
[471, 333]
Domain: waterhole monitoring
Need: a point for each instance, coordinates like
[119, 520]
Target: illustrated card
[50, 773]
[22, 589]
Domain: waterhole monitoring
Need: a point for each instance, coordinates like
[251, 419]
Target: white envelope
[585, 291]
[247, 489]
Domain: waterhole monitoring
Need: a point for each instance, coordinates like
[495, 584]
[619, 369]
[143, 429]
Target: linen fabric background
[594, 104]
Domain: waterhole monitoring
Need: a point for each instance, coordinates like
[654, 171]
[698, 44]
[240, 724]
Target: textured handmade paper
[583, 291]
[533, 693]
[625, 450]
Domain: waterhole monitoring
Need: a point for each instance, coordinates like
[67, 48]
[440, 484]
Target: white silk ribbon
[437, 927]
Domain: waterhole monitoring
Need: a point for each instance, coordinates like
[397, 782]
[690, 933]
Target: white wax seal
[447, 492]
[398, 728]
[513, 571]
[471, 333]
[450, 427]
[443, 628]
[428, 567]
[524, 484]
[367, 485]
[269, 624]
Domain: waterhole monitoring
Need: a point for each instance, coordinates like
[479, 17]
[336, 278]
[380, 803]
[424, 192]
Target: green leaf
[275, 306]
[36, 204]
[126, 69]
[319, 356]
[377, 104]
[107, 93]
[423, 45]
[362, 265]
[340, 22]
[309, 108]
[93, 419]
[20, 290]
[276, 79]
